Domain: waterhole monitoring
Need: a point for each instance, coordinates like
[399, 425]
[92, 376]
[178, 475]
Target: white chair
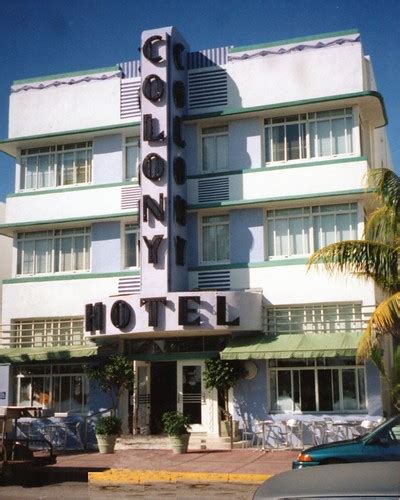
[365, 427]
[247, 434]
[317, 430]
[294, 433]
[330, 431]
[274, 437]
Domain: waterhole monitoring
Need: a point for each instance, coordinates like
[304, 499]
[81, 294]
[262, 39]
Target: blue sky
[41, 37]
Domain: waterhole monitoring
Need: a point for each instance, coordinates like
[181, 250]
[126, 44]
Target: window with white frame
[47, 332]
[314, 318]
[316, 385]
[53, 166]
[54, 251]
[300, 231]
[132, 156]
[215, 238]
[309, 135]
[63, 388]
[214, 149]
[131, 245]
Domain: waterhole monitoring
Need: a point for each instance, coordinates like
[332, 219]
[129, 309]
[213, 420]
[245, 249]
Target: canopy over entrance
[296, 345]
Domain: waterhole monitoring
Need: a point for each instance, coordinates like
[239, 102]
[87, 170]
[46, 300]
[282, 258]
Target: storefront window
[60, 388]
[321, 387]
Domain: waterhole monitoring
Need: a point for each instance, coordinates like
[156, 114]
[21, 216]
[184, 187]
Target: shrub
[175, 423]
[110, 426]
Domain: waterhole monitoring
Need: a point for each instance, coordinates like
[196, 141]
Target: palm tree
[375, 257]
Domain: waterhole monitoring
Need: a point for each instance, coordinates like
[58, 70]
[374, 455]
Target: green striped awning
[24, 354]
[295, 345]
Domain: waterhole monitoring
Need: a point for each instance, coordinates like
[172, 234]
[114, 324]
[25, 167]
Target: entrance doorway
[162, 393]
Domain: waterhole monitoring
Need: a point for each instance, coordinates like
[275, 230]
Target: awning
[295, 345]
[21, 355]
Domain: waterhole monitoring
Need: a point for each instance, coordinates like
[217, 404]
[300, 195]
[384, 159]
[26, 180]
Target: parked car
[379, 445]
[356, 481]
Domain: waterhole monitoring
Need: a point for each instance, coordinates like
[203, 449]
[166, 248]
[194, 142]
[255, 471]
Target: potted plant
[177, 426]
[223, 375]
[107, 430]
[113, 377]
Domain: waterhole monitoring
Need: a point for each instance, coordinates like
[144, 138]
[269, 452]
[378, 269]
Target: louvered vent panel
[208, 89]
[130, 284]
[130, 100]
[130, 197]
[214, 280]
[215, 189]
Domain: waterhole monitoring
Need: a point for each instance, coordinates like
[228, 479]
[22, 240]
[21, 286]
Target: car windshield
[385, 427]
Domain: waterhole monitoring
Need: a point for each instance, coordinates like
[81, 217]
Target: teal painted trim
[66, 75]
[293, 40]
[282, 166]
[13, 142]
[64, 221]
[69, 277]
[253, 265]
[290, 104]
[66, 190]
[261, 201]
[173, 356]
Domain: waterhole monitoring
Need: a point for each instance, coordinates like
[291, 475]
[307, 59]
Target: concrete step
[198, 441]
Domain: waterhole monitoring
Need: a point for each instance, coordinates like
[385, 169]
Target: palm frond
[386, 185]
[368, 259]
[385, 319]
[383, 225]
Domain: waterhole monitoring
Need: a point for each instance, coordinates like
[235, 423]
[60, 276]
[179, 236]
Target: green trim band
[292, 40]
[278, 167]
[290, 104]
[7, 144]
[64, 221]
[68, 277]
[262, 201]
[296, 261]
[76, 188]
[66, 75]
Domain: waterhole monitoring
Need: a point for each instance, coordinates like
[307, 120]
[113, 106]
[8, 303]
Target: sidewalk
[141, 466]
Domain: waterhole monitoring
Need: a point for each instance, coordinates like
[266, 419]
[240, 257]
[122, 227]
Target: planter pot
[106, 443]
[179, 444]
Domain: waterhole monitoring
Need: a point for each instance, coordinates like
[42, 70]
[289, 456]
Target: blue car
[380, 445]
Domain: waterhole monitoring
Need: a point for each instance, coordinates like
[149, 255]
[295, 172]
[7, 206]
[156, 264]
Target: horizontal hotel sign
[175, 312]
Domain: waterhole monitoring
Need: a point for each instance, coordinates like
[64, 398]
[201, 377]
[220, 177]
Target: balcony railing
[311, 319]
[43, 333]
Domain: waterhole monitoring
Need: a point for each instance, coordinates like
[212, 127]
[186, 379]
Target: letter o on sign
[153, 166]
[153, 88]
[121, 313]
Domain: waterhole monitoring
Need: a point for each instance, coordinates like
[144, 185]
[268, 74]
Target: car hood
[332, 446]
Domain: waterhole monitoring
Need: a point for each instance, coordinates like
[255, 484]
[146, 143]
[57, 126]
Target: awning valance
[24, 354]
[295, 345]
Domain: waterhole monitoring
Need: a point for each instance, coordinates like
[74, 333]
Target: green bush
[175, 423]
[110, 426]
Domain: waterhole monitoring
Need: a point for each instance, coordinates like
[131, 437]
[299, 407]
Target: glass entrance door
[141, 405]
[192, 400]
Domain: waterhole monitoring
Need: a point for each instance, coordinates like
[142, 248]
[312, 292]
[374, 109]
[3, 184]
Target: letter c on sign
[148, 49]
[121, 313]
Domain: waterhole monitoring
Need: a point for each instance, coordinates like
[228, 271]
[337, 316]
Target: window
[132, 156]
[314, 318]
[215, 238]
[60, 250]
[53, 166]
[309, 135]
[47, 332]
[131, 246]
[215, 149]
[63, 388]
[325, 385]
[300, 231]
